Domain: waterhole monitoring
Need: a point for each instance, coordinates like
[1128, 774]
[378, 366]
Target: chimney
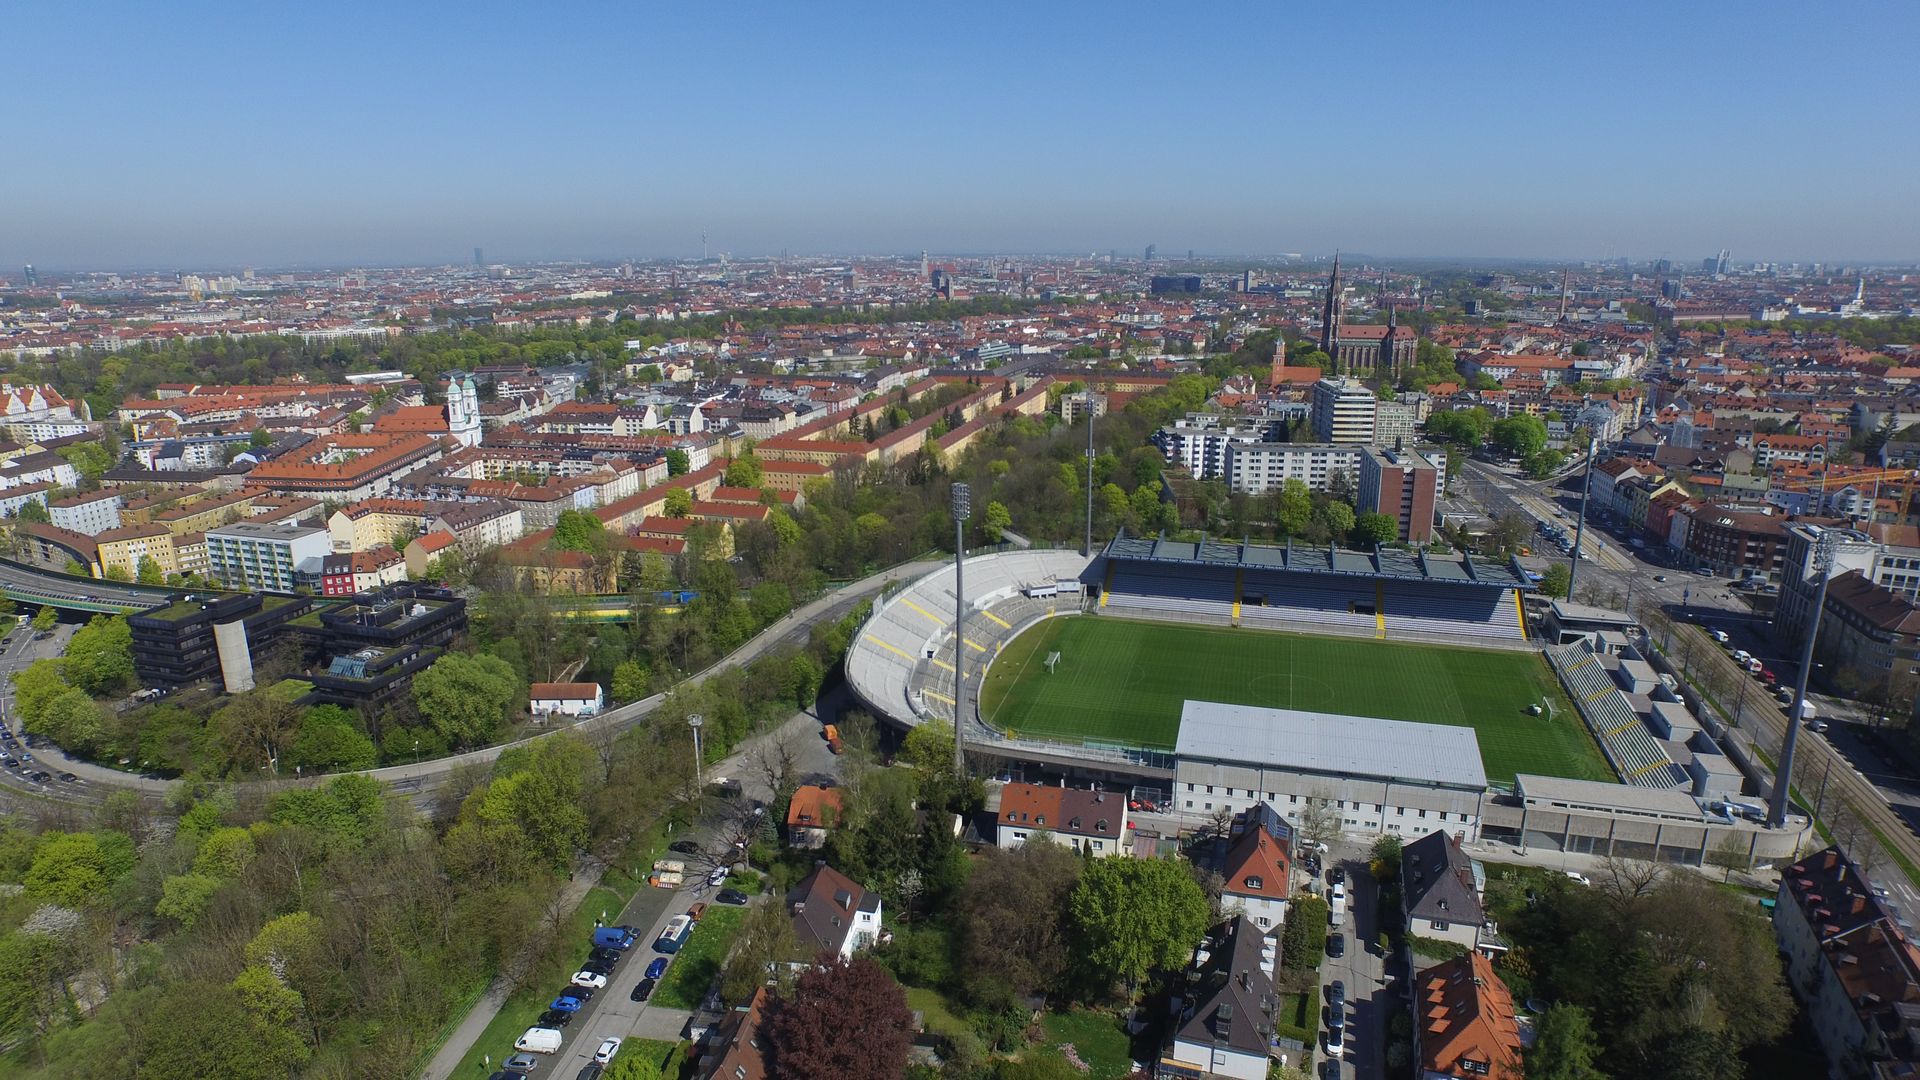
[1246, 981]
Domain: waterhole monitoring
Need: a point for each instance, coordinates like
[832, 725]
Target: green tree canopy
[1520, 435]
[577, 530]
[99, 659]
[1555, 581]
[466, 697]
[330, 739]
[679, 502]
[1371, 530]
[1135, 916]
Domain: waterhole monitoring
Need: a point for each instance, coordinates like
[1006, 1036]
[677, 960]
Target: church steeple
[1330, 315]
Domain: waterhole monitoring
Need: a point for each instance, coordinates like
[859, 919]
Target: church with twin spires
[1365, 351]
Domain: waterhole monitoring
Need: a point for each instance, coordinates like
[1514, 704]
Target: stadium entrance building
[1380, 776]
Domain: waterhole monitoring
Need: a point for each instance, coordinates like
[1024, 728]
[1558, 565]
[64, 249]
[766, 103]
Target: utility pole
[694, 722]
[962, 496]
[1823, 558]
[1580, 526]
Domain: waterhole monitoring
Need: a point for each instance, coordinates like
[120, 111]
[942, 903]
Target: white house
[833, 914]
[565, 699]
[1092, 822]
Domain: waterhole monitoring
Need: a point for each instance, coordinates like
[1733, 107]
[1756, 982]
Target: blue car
[657, 968]
[566, 1003]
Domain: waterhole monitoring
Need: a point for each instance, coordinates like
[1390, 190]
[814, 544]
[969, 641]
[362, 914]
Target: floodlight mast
[962, 497]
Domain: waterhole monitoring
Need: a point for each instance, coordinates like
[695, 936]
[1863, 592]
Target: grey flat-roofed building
[1591, 817]
[1362, 747]
[1381, 776]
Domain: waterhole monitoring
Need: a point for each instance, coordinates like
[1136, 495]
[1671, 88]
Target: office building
[271, 558]
[1396, 422]
[1403, 485]
[1343, 411]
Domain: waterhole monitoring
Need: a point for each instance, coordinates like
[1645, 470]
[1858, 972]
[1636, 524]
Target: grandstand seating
[1621, 732]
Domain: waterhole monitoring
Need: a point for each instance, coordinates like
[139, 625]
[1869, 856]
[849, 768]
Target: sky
[211, 135]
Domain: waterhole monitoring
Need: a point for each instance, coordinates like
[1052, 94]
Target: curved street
[421, 780]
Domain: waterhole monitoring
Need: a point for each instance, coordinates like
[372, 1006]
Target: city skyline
[336, 139]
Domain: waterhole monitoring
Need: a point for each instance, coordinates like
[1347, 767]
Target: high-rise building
[32, 279]
[1403, 485]
[1343, 411]
[1151, 250]
[477, 260]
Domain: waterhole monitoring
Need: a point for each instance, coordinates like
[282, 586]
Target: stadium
[1083, 666]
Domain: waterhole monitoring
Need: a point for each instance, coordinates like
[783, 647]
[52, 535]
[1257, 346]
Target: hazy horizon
[202, 135]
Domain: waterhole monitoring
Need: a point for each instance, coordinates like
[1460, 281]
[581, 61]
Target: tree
[1564, 1047]
[1337, 517]
[150, 571]
[256, 728]
[1462, 427]
[635, 1064]
[34, 687]
[466, 697]
[677, 462]
[1013, 919]
[928, 747]
[184, 898]
[1520, 435]
[1371, 530]
[71, 719]
[1296, 507]
[631, 681]
[1555, 581]
[329, 739]
[70, 869]
[996, 522]
[1729, 855]
[764, 946]
[577, 530]
[1132, 916]
[679, 503]
[118, 573]
[89, 459]
[1543, 463]
[35, 510]
[743, 471]
[6, 605]
[99, 659]
[1317, 820]
[846, 1020]
[45, 618]
[206, 1030]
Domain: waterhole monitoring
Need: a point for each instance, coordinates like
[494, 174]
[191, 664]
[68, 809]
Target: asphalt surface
[1362, 969]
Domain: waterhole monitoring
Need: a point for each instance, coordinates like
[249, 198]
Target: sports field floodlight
[962, 510]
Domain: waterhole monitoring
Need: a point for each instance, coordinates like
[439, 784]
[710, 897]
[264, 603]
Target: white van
[539, 1040]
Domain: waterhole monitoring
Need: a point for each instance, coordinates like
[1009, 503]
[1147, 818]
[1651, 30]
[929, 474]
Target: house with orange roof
[813, 812]
[1090, 822]
[1258, 875]
[422, 550]
[1464, 1025]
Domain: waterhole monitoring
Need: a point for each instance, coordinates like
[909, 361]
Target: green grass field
[1123, 681]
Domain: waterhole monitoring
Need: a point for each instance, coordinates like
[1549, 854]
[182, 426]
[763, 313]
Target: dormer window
[1255, 881]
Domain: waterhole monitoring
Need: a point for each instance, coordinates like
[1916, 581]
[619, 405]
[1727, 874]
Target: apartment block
[266, 557]
[1403, 485]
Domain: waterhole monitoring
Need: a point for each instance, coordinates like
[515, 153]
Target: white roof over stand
[1357, 746]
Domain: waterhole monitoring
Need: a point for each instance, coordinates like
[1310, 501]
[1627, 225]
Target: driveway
[1362, 969]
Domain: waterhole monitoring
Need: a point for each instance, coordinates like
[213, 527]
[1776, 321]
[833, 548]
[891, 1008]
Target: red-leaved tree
[844, 1020]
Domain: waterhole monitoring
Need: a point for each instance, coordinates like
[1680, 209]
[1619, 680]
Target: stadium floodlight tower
[1824, 553]
[962, 510]
[1086, 549]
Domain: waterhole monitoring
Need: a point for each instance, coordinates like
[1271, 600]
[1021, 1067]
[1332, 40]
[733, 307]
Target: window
[1437, 925]
[1262, 920]
[1209, 806]
[1189, 787]
[1209, 789]
[1189, 801]
[1423, 813]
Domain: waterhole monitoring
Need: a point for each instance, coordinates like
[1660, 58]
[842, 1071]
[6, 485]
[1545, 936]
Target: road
[421, 781]
[21, 650]
[611, 1013]
[1362, 970]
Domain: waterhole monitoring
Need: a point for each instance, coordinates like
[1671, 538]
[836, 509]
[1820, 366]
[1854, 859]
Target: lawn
[1097, 1037]
[698, 962]
[1123, 681]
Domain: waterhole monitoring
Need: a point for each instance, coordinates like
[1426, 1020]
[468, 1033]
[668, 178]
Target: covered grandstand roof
[1390, 563]
[1360, 746]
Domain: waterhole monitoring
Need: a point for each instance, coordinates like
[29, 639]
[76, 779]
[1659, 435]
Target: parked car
[567, 1002]
[1336, 876]
[684, 847]
[592, 1070]
[1336, 994]
[643, 989]
[69, 778]
[1576, 877]
[1336, 1042]
[731, 896]
[589, 979]
[610, 957]
[554, 1018]
[696, 911]
[539, 1040]
[657, 968]
[718, 877]
[608, 1048]
[1336, 945]
[521, 1063]
[613, 937]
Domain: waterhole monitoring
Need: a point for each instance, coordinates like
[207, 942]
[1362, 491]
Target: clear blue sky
[201, 134]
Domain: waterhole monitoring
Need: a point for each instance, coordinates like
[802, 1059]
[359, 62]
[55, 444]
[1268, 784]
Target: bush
[1304, 940]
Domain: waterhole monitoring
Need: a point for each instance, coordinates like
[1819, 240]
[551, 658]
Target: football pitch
[1123, 681]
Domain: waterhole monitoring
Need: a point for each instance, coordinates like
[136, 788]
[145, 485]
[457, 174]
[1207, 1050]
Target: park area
[1122, 682]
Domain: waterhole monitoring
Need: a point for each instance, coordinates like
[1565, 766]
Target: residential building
[348, 467]
[1200, 441]
[1257, 872]
[1343, 411]
[1229, 1029]
[274, 558]
[834, 915]
[89, 514]
[1851, 965]
[1464, 1025]
[1403, 485]
[1089, 822]
[812, 813]
[1257, 468]
[1735, 543]
[355, 572]
[1887, 555]
[733, 1051]
[423, 550]
[575, 699]
[123, 550]
[1076, 405]
[1440, 887]
[13, 499]
[1397, 422]
[1870, 638]
[54, 548]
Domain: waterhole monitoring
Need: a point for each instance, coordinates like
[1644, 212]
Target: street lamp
[694, 722]
[962, 496]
